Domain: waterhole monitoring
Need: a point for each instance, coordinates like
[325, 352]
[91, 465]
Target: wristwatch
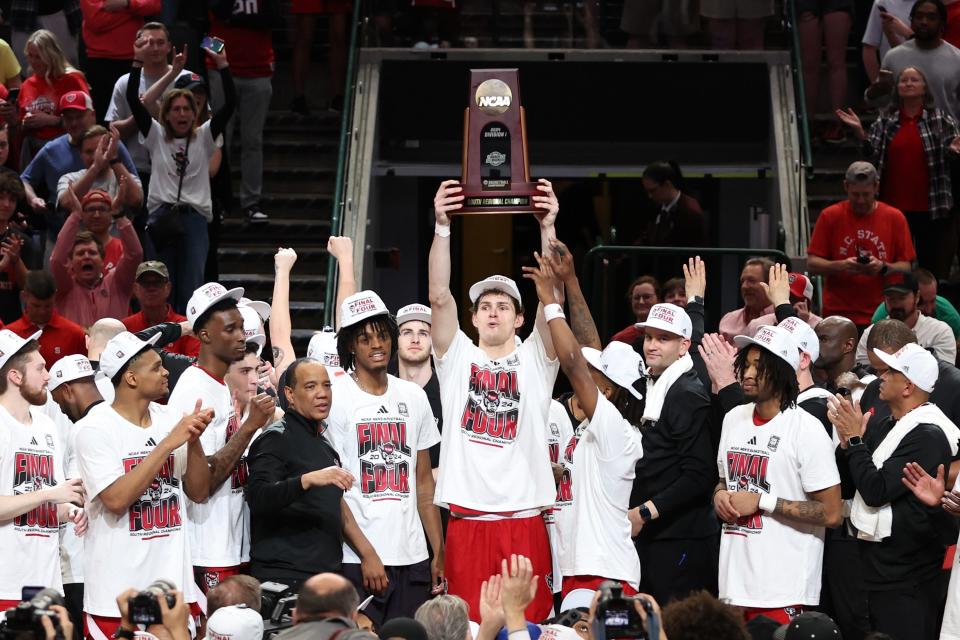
[645, 514]
[697, 299]
[854, 441]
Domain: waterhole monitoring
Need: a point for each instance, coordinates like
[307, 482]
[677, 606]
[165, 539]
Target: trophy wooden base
[514, 201]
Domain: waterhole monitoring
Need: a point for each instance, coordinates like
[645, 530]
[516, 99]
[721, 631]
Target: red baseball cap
[96, 195]
[800, 286]
[79, 100]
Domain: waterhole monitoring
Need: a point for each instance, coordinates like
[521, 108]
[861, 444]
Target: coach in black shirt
[295, 489]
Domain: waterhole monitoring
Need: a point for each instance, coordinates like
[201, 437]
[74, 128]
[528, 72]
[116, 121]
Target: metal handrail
[339, 188]
[790, 19]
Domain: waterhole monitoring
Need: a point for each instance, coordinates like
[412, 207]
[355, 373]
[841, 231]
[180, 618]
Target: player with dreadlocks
[779, 485]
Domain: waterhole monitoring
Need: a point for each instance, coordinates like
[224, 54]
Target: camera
[617, 616]
[24, 622]
[144, 608]
[863, 257]
[276, 607]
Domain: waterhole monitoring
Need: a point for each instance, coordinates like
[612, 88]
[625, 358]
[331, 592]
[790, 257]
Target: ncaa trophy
[496, 169]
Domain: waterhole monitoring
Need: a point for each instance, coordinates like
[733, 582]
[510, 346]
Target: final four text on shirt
[157, 512]
[493, 406]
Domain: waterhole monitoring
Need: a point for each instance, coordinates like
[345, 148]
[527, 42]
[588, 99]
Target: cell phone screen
[214, 44]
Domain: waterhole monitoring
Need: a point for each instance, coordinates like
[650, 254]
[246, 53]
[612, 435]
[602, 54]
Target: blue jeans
[187, 258]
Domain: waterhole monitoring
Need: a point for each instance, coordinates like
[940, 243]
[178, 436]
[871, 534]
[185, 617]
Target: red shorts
[592, 583]
[7, 604]
[476, 547]
[321, 6]
[783, 615]
[209, 577]
[103, 627]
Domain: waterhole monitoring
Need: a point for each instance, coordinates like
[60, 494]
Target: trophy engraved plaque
[496, 169]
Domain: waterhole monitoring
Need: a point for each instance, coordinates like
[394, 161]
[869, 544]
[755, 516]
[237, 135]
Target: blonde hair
[167, 104]
[52, 55]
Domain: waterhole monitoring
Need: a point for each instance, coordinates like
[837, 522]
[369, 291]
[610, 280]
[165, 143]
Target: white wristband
[442, 230]
[768, 502]
[552, 312]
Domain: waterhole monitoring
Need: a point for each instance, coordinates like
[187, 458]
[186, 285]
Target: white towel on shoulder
[657, 390]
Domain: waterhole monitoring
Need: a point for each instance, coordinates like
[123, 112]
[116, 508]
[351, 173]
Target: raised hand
[179, 61]
[449, 198]
[778, 287]
[695, 277]
[519, 584]
[548, 202]
[562, 261]
[850, 118]
[544, 279]
[219, 59]
[491, 608]
[926, 488]
[340, 247]
[284, 259]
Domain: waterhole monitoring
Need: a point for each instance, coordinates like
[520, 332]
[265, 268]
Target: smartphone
[214, 44]
[13, 95]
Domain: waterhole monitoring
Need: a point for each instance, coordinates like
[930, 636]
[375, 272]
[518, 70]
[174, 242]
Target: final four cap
[11, 343]
[800, 286]
[502, 283]
[619, 362]
[251, 327]
[207, 296]
[235, 622]
[670, 318]
[360, 306]
[262, 308]
[916, 363]
[804, 335]
[323, 347]
[414, 312]
[79, 100]
[777, 341]
[68, 369]
[121, 348]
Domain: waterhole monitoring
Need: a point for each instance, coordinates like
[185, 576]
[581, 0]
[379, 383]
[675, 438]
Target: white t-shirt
[931, 334]
[494, 455]
[120, 110]
[559, 434]
[166, 155]
[378, 438]
[31, 459]
[107, 182]
[605, 458]
[105, 387]
[150, 540]
[873, 35]
[216, 526]
[790, 456]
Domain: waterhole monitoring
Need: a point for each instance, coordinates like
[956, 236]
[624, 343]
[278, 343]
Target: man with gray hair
[326, 607]
[855, 243]
[445, 618]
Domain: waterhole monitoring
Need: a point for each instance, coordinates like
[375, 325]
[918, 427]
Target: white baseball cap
[414, 312]
[11, 343]
[68, 369]
[777, 341]
[251, 327]
[207, 296]
[502, 283]
[558, 632]
[670, 318]
[360, 306]
[916, 363]
[803, 334]
[235, 622]
[576, 599]
[619, 362]
[262, 308]
[323, 347]
[120, 349]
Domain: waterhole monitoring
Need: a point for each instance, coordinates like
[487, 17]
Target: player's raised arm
[551, 206]
[442, 303]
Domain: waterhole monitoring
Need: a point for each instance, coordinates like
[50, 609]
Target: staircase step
[317, 179]
[283, 231]
[259, 286]
[310, 260]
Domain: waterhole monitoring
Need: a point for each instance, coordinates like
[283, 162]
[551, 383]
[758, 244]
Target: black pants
[73, 594]
[102, 74]
[935, 242]
[408, 588]
[671, 569]
[842, 596]
[909, 613]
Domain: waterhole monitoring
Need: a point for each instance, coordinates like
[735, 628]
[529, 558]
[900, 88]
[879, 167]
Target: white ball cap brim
[777, 341]
[414, 312]
[502, 283]
[578, 598]
[917, 364]
[670, 318]
[360, 306]
[121, 348]
[251, 326]
[262, 308]
[619, 362]
[68, 369]
[208, 295]
[11, 344]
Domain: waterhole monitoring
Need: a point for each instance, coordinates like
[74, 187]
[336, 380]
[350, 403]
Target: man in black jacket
[677, 542]
[298, 519]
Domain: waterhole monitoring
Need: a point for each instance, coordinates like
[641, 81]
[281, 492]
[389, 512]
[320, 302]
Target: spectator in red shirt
[51, 77]
[109, 29]
[249, 37]
[854, 244]
[152, 291]
[60, 336]
[643, 293]
[913, 145]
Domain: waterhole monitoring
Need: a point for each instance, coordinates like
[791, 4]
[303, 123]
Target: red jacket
[110, 34]
[60, 337]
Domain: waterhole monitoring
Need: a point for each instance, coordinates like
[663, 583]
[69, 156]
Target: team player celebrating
[139, 462]
[34, 496]
[779, 486]
[383, 429]
[495, 472]
[217, 525]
